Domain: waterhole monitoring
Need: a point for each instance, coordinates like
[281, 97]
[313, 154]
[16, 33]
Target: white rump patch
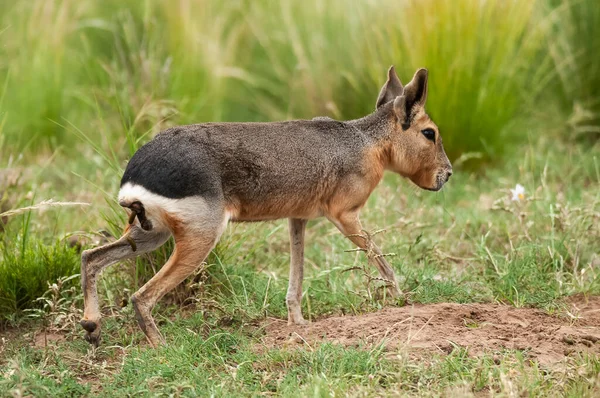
[195, 211]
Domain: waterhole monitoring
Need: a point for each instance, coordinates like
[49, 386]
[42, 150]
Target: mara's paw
[92, 331]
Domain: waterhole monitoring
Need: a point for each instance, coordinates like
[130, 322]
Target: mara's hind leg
[135, 241]
[194, 239]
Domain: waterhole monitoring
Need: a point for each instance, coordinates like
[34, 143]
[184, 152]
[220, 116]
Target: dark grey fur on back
[253, 162]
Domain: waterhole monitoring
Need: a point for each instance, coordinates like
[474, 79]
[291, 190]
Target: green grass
[227, 364]
[576, 77]
[26, 268]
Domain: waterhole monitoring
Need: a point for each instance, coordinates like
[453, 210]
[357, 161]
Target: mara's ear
[413, 98]
[391, 89]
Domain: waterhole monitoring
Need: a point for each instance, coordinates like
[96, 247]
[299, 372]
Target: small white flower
[518, 193]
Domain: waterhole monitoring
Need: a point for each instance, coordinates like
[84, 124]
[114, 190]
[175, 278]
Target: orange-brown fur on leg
[95, 260]
[194, 239]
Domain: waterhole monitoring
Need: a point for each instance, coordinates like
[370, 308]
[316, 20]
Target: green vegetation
[224, 366]
[24, 272]
[130, 66]
[576, 65]
[83, 84]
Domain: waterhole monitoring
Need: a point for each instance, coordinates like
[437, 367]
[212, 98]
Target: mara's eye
[429, 134]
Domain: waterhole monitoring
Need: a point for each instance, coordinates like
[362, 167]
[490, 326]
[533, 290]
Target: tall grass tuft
[479, 57]
[25, 267]
[574, 45]
[39, 68]
[205, 44]
[301, 55]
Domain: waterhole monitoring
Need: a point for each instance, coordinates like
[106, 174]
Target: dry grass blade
[371, 256]
[41, 205]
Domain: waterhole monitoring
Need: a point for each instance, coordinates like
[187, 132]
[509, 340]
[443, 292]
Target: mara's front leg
[349, 224]
[294, 293]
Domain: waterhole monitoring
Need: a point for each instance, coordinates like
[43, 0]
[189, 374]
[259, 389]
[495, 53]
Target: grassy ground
[82, 88]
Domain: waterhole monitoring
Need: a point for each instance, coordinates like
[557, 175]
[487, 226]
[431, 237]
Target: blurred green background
[115, 67]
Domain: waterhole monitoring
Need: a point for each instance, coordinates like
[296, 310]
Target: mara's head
[415, 144]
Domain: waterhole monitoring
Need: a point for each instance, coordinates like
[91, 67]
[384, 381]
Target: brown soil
[42, 339]
[482, 328]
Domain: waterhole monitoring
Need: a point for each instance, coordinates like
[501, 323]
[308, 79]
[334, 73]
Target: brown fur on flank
[189, 181]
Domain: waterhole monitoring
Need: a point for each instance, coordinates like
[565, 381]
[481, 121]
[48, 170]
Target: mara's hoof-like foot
[157, 340]
[298, 322]
[393, 290]
[92, 331]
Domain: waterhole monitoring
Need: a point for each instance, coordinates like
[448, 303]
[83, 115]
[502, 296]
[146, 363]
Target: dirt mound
[482, 328]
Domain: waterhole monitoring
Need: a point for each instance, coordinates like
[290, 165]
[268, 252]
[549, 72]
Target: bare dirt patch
[482, 328]
[41, 339]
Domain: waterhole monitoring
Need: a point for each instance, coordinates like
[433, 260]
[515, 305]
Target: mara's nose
[448, 175]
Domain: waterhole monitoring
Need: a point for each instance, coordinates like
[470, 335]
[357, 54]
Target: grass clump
[27, 265]
[33, 373]
[573, 44]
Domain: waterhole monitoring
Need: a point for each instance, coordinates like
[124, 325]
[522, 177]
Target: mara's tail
[137, 210]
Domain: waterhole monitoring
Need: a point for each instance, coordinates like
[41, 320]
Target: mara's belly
[274, 209]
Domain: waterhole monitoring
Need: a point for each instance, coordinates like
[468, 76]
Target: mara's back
[258, 170]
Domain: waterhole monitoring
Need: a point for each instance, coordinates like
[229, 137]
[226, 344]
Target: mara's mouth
[440, 180]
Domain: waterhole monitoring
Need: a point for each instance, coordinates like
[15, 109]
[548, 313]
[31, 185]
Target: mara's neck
[379, 126]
